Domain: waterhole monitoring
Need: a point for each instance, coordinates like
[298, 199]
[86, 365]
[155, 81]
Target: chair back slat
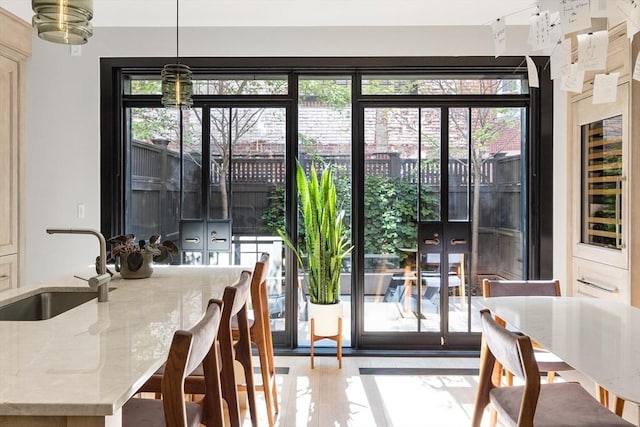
[236, 296]
[204, 334]
[188, 349]
[503, 288]
[503, 344]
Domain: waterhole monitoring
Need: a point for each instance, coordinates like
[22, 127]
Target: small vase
[127, 267]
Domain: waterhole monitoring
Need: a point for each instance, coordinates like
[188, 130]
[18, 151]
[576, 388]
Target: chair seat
[150, 413]
[559, 405]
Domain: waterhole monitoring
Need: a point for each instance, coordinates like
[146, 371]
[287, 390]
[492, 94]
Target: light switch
[80, 210]
[76, 50]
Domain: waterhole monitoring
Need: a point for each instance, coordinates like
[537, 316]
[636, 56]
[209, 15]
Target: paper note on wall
[575, 15]
[533, 72]
[605, 88]
[560, 58]
[540, 31]
[573, 79]
[592, 50]
[499, 27]
[636, 68]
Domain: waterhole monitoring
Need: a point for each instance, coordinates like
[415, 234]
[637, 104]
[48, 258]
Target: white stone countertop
[91, 359]
[598, 337]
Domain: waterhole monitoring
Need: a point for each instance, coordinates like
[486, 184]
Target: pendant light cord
[178, 31]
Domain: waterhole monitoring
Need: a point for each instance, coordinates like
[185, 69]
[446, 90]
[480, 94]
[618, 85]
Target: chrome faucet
[101, 281]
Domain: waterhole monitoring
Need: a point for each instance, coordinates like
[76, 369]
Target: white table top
[91, 359]
[597, 337]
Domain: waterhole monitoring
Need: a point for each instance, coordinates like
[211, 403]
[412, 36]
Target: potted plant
[134, 260]
[323, 244]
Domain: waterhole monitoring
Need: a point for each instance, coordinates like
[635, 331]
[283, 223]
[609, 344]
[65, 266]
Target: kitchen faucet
[101, 281]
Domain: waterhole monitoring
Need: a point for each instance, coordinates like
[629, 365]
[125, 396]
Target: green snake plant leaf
[323, 240]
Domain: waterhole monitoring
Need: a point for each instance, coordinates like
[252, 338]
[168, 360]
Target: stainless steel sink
[45, 304]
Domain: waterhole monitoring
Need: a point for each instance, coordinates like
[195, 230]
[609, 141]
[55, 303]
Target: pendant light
[176, 78]
[63, 21]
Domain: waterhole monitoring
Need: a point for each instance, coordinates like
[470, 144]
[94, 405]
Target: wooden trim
[15, 36]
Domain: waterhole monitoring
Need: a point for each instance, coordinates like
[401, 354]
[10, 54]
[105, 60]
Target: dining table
[599, 338]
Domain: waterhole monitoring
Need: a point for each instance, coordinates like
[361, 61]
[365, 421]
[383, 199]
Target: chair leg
[618, 406]
[551, 376]
[509, 376]
[603, 395]
[243, 356]
[272, 367]
[229, 391]
[493, 417]
[268, 379]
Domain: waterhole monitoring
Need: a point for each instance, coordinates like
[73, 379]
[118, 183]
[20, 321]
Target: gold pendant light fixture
[176, 78]
[63, 21]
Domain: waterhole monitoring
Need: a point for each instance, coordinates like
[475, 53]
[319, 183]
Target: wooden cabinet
[15, 47]
[8, 272]
[603, 140]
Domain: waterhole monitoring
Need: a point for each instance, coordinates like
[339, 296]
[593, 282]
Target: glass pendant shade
[176, 86]
[63, 21]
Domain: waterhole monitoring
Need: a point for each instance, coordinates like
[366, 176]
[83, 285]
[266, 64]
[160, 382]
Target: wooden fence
[155, 194]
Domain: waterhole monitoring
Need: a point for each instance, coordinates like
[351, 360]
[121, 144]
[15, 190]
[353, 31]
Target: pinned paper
[575, 15]
[499, 27]
[560, 58]
[636, 68]
[573, 79]
[633, 19]
[556, 34]
[533, 72]
[540, 31]
[592, 50]
[605, 88]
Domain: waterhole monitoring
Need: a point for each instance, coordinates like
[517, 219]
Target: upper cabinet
[604, 193]
[15, 47]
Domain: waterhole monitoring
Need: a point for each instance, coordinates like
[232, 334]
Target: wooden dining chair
[558, 404]
[234, 300]
[260, 335]
[547, 362]
[189, 349]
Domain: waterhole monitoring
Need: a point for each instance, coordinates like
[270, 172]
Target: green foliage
[391, 223]
[326, 91]
[390, 204]
[324, 239]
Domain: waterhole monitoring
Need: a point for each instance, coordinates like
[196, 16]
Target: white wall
[63, 110]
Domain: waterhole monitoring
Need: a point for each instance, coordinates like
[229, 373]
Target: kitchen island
[80, 367]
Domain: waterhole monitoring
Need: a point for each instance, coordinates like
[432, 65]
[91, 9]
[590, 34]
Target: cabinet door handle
[605, 288]
[192, 240]
[4, 276]
[458, 241]
[431, 241]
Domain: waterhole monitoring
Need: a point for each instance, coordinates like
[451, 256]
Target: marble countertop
[91, 359]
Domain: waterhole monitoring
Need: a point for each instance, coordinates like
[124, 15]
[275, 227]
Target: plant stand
[337, 338]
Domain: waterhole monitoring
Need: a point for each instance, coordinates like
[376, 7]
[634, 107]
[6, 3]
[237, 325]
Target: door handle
[458, 241]
[192, 240]
[431, 241]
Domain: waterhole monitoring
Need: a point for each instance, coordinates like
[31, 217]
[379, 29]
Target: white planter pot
[326, 318]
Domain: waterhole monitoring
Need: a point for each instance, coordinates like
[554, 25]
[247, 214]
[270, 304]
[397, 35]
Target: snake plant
[323, 239]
